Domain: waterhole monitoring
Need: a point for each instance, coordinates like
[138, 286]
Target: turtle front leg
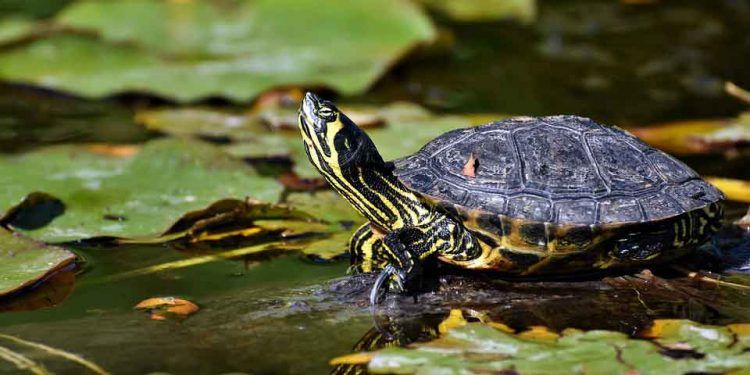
[364, 251]
[372, 251]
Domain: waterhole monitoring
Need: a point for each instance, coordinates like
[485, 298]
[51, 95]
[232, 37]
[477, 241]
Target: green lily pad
[139, 196]
[189, 50]
[13, 28]
[24, 261]
[682, 347]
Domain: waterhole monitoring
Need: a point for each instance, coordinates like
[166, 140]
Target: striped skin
[523, 247]
[403, 229]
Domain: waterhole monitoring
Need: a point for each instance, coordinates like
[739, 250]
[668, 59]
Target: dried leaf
[162, 308]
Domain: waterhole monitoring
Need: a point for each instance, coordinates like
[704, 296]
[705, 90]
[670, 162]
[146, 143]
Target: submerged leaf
[194, 49]
[24, 261]
[139, 196]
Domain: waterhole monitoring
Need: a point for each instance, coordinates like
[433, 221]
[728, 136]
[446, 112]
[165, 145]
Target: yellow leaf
[455, 319]
[539, 333]
[740, 329]
[351, 359]
[736, 190]
[678, 137]
[662, 327]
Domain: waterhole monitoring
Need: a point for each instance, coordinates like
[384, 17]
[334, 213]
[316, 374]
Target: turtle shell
[564, 172]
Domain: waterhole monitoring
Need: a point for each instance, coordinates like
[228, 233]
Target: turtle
[523, 196]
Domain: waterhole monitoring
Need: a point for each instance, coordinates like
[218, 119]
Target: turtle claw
[385, 275]
[390, 279]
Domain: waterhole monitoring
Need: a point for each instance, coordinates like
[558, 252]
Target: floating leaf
[479, 348]
[678, 137]
[736, 190]
[229, 217]
[202, 122]
[14, 28]
[51, 292]
[138, 196]
[735, 135]
[194, 49]
[24, 261]
[163, 308]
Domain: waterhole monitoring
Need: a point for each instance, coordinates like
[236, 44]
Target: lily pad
[138, 196]
[13, 28]
[189, 50]
[343, 220]
[479, 348]
[24, 261]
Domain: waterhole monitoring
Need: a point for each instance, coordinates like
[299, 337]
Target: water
[618, 64]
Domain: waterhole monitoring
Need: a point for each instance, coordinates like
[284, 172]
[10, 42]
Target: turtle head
[331, 139]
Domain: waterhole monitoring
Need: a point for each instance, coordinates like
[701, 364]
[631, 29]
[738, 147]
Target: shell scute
[656, 206]
[530, 207]
[623, 166]
[556, 161]
[671, 169]
[557, 169]
[616, 210]
[581, 211]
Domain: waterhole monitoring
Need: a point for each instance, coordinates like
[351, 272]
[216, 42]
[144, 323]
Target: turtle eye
[326, 113]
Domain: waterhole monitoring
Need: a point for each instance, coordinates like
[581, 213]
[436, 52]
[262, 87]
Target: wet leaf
[343, 221]
[139, 196]
[163, 308]
[735, 135]
[51, 292]
[679, 137]
[479, 348]
[202, 122]
[736, 190]
[330, 247]
[229, 217]
[485, 10]
[291, 181]
[326, 205]
[188, 50]
[14, 28]
[24, 261]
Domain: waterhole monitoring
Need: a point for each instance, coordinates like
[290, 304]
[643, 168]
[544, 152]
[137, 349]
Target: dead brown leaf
[163, 308]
